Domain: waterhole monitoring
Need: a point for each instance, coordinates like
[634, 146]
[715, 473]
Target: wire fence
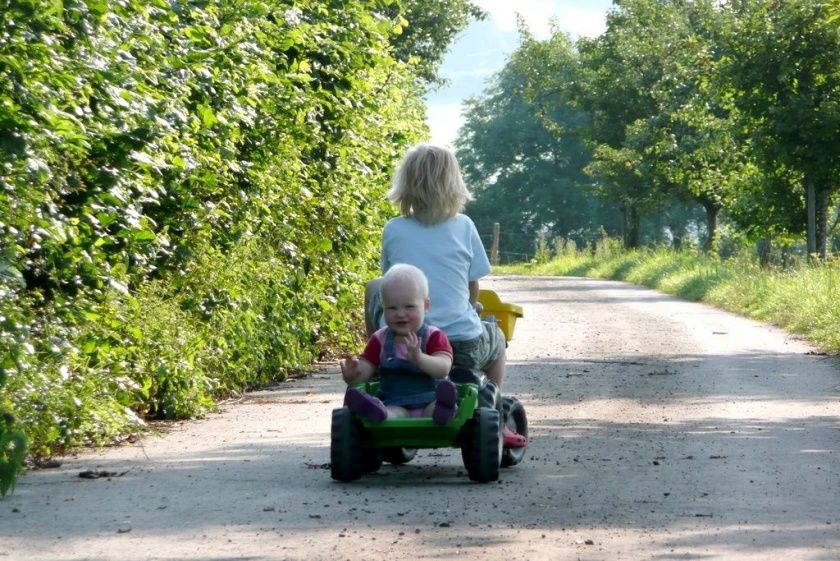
[520, 240]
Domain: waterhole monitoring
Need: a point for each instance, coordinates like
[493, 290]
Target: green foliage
[190, 200]
[524, 161]
[730, 107]
[427, 27]
[781, 61]
[12, 452]
[667, 134]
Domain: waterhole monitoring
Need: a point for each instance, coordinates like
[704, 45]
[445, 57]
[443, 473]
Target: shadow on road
[701, 466]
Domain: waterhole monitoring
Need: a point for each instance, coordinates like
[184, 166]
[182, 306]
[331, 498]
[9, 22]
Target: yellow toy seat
[504, 313]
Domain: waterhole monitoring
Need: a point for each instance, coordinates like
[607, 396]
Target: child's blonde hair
[403, 272]
[428, 185]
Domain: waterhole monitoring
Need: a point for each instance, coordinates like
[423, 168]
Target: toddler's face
[404, 307]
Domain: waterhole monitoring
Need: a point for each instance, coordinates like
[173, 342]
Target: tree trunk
[818, 199]
[822, 202]
[810, 209]
[712, 212]
[632, 229]
[678, 231]
[765, 250]
[676, 240]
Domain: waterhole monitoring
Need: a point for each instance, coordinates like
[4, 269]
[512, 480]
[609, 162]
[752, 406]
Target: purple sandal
[365, 405]
[446, 402]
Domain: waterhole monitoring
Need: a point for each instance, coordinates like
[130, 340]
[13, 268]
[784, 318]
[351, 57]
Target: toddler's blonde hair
[403, 272]
[428, 185]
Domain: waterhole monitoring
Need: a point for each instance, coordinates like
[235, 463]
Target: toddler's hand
[350, 370]
[412, 347]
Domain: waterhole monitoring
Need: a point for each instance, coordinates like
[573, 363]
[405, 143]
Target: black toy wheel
[346, 446]
[513, 415]
[396, 455]
[371, 458]
[481, 447]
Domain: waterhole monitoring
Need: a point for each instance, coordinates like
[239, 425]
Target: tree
[525, 165]
[694, 146]
[782, 59]
[426, 29]
[619, 71]
[663, 129]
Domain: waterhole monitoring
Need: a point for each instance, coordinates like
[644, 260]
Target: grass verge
[805, 301]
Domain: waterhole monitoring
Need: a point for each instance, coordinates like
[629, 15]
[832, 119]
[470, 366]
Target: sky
[482, 49]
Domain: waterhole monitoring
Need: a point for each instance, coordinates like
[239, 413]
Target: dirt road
[659, 430]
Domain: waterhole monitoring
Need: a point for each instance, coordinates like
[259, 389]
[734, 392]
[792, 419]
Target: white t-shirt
[451, 254]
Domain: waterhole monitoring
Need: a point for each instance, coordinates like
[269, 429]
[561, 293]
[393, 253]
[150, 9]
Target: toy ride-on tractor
[358, 446]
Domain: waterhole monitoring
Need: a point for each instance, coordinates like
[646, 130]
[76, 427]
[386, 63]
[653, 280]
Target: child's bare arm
[473, 286]
[436, 365]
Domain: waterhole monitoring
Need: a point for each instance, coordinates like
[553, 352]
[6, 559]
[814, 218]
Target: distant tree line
[191, 196]
[683, 118]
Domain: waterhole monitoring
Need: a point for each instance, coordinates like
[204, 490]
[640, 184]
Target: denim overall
[401, 382]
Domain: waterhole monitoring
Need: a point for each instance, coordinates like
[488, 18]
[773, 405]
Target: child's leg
[397, 411]
[496, 373]
[486, 353]
[446, 402]
[366, 406]
[496, 369]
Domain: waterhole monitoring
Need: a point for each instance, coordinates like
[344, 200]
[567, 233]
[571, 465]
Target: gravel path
[660, 429]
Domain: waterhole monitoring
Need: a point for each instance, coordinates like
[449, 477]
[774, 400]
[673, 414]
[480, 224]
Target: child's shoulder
[463, 219]
[401, 222]
[379, 334]
[436, 332]
[460, 220]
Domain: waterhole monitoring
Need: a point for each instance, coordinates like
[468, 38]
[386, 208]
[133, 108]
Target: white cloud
[582, 22]
[444, 121]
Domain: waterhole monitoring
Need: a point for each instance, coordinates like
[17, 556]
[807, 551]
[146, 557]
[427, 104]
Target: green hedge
[190, 199]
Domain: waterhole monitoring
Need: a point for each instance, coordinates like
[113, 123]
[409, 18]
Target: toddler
[412, 358]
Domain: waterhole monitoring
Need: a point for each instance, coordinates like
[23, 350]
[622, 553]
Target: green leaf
[142, 235]
[208, 118]
[90, 315]
[11, 276]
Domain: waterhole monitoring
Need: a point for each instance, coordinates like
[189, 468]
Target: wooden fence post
[811, 209]
[494, 248]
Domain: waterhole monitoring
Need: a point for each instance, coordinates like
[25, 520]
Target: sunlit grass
[805, 301]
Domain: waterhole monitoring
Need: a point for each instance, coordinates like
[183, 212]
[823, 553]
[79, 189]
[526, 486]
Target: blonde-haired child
[433, 235]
